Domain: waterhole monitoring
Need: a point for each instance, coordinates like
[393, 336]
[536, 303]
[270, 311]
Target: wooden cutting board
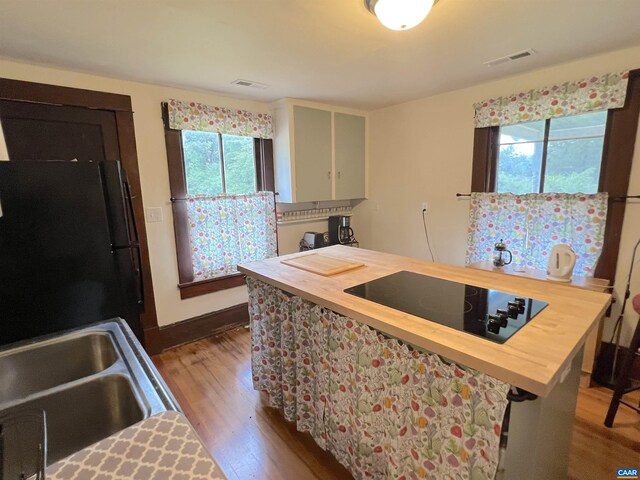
[322, 264]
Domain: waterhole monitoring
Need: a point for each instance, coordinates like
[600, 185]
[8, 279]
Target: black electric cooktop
[491, 314]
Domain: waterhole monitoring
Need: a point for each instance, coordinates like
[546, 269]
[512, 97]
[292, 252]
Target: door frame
[120, 105]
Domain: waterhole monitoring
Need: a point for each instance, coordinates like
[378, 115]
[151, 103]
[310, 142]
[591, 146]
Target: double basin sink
[90, 383]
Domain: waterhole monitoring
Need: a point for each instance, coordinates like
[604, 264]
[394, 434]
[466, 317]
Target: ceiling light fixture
[400, 14]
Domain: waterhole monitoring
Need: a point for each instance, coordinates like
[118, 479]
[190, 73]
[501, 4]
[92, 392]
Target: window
[210, 164]
[217, 164]
[557, 155]
[589, 153]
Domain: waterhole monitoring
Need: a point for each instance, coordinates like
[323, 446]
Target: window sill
[195, 289]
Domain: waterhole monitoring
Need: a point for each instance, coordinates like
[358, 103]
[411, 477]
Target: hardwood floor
[211, 379]
[597, 451]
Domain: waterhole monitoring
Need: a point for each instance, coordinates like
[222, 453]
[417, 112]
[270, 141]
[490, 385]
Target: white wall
[152, 159]
[422, 150]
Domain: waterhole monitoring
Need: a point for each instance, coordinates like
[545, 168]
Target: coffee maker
[340, 231]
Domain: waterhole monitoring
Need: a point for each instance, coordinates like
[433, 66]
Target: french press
[501, 249]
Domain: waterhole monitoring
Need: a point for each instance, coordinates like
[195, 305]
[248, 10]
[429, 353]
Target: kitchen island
[542, 358]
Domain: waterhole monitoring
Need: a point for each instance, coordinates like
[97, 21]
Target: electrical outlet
[425, 207]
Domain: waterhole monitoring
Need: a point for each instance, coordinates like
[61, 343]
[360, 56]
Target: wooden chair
[624, 382]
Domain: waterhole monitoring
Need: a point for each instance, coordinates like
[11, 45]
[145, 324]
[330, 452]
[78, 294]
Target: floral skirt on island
[381, 408]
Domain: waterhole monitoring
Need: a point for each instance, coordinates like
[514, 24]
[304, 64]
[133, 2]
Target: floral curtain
[227, 230]
[531, 224]
[570, 98]
[196, 116]
[381, 408]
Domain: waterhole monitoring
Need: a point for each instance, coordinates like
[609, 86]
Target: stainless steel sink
[81, 415]
[37, 367]
[90, 383]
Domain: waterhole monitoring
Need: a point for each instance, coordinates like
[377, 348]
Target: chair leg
[623, 379]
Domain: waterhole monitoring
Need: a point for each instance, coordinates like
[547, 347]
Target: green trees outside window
[557, 155]
[218, 164]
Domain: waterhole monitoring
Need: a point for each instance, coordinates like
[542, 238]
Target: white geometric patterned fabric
[163, 447]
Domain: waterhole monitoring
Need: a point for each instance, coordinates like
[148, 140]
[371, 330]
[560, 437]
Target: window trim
[545, 151]
[263, 157]
[615, 169]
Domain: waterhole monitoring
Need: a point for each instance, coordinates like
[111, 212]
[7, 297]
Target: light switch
[153, 214]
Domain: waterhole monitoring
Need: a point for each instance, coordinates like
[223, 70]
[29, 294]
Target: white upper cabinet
[312, 153]
[319, 152]
[349, 141]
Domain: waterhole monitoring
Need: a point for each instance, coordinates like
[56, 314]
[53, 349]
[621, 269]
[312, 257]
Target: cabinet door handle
[329, 175]
[338, 175]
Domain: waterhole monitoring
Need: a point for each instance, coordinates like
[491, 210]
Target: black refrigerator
[69, 254]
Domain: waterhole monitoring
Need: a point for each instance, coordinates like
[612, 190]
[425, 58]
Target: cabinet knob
[338, 175]
[329, 174]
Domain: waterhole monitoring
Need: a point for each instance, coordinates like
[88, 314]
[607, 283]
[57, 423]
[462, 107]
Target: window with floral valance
[551, 128]
[550, 139]
[221, 176]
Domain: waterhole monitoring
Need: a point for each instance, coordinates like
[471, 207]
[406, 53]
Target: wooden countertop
[534, 358]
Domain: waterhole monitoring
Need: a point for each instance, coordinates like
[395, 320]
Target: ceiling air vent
[250, 84]
[510, 58]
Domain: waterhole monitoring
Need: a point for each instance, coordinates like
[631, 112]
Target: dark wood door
[35, 131]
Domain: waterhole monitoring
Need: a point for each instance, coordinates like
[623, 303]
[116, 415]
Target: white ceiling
[331, 51]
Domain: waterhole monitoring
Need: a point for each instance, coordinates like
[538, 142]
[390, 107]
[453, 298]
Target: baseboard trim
[203, 326]
[152, 340]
